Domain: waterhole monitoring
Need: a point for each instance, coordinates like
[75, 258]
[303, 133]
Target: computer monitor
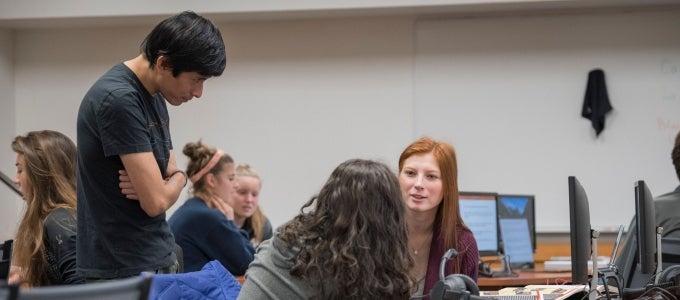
[519, 207]
[479, 212]
[640, 243]
[518, 235]
[580, 234]
[645, 227]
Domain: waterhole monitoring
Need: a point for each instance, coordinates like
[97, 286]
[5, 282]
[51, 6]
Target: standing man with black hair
[127, 174]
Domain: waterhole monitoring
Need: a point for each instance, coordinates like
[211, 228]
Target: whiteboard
[507, 93]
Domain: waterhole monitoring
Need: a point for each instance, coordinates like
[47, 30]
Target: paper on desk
[545, 292]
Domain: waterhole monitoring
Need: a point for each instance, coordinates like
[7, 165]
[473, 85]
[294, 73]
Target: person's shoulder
[266, 245]
[467, 243]
[59, 219]
[672, 196]
[60, 214]
[281, 250]
[465, 234]
[116, 82]
[117, 72]
[196, 210]
[193, 206]
[668, 199]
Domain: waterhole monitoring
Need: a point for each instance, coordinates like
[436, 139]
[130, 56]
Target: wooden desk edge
[524, 278]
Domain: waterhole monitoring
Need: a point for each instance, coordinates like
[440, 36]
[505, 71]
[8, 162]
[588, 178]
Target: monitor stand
[592, 293]
[659, 262]
[506, 270]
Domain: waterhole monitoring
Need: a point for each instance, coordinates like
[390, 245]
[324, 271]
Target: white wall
[508, 93]
[74, 11]
[10, 203]
[297, 98]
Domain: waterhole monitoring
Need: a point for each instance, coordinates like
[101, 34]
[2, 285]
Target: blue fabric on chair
[213, 281]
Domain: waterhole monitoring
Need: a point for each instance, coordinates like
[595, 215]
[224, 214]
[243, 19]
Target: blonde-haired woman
[45, 243]
[247, 213]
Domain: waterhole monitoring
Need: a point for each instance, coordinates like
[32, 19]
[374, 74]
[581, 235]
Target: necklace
[422, 244]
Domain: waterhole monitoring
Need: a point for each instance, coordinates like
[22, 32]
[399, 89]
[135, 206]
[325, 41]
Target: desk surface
[524, 278]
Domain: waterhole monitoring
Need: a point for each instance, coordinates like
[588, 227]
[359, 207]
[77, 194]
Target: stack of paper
[535, 292]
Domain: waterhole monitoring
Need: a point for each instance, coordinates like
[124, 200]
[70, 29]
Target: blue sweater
[205, 234]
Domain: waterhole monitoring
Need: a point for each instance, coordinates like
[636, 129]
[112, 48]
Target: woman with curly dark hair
[351, 244]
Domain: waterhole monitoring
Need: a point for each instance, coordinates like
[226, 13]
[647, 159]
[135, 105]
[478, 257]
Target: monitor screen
[645, 227]
[580, 234]
[479, 212]
[518, 230]
[519, 207]
[516, 243]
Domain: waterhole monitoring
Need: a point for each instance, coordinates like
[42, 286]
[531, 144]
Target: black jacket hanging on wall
[596, 103]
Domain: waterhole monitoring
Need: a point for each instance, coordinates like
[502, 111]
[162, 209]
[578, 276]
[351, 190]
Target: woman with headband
[204, 225]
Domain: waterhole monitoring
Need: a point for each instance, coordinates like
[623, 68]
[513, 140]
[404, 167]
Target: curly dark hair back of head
[354, 242]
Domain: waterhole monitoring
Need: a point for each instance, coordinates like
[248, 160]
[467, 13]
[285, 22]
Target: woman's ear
[210, 180]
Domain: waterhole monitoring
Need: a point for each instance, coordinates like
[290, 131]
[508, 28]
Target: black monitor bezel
[580, 231]
[645, 227]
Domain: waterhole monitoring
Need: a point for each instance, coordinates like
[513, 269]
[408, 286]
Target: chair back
[5, 259]
[8, 292]
[134, 288]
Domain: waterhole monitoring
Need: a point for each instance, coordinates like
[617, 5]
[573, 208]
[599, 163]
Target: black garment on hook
[596, 103]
